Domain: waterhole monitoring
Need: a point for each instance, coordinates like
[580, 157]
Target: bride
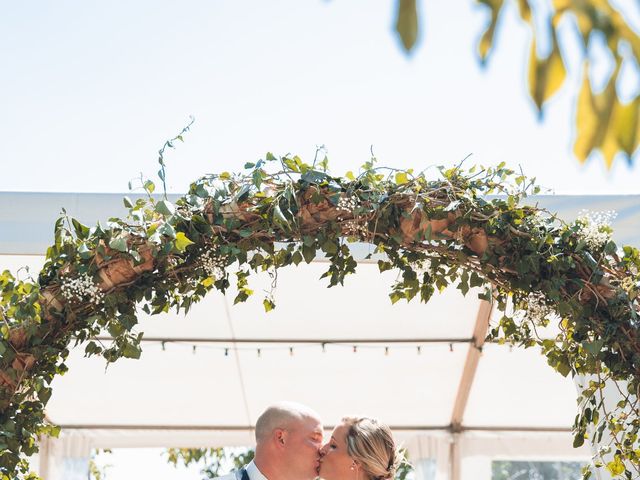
[360, 448]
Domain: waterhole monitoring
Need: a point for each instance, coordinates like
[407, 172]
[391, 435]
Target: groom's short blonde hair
[281, 415]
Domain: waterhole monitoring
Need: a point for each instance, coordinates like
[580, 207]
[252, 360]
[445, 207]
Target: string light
[386, 349]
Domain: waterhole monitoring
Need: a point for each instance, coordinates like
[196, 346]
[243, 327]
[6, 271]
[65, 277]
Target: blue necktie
[242, 474]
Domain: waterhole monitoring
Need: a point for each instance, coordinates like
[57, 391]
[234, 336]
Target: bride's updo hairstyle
[372, 447]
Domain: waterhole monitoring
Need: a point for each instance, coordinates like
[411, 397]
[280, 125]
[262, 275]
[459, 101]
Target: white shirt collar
[254, 473]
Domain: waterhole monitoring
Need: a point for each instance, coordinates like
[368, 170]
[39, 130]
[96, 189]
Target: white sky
[90, 90]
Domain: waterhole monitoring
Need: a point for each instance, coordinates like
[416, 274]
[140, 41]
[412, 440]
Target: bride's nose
[323, 450]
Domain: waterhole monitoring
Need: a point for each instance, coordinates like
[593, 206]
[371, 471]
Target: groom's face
[304, 440]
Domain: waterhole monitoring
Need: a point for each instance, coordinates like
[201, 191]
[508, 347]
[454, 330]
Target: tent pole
[43, 456]
[466, 381]
[454, 457]
[471, 364]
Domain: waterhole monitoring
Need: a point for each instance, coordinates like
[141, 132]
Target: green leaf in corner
[182, 241]
[546, 76]
[486, 41]
[407, 23]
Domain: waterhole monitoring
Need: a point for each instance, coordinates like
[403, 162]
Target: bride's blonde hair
[371, 445]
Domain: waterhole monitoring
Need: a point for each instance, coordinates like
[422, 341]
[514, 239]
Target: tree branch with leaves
[606, 121]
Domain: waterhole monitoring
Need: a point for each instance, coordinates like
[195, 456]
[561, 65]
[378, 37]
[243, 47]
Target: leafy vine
[468, 228]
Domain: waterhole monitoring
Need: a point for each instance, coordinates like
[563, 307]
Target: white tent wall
[469, 455]
[202, 381]
[64, 458]
[479, 449]
[67, 457]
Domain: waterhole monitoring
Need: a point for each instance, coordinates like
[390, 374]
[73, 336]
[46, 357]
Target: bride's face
[335, 462]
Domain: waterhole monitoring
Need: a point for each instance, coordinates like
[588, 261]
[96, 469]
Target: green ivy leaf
[563, 368]
[131, 351]
[182, 241]
[314, 177]
[578, 440]
[308, 252]
[330, 247]
[119, 244]
[167, 230]
[616, 467]
[81, 230]
[149, 186]
[165, 207]
[384, 266]
[268, 305]
[401, 178]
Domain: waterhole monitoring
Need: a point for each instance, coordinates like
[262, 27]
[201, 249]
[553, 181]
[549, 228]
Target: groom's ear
[280, 437]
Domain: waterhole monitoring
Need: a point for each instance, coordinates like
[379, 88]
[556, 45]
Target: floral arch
[467, 228]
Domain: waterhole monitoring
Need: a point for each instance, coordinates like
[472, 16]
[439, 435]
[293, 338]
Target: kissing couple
[289, 446]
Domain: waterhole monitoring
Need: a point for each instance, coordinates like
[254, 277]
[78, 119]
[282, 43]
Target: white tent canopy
[205, 377]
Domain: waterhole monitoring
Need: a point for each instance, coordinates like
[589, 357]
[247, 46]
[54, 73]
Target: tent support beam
[454, 457]
[471, 364]
[466, 381]
[242, 428]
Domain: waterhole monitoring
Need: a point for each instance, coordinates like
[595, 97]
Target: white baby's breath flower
[213, 263]
[347, 204]
[81, 289]
[537, 310]
[354, 229]
[595, 227]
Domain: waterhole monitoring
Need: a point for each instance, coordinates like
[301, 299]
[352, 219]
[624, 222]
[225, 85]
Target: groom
[288, 442]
